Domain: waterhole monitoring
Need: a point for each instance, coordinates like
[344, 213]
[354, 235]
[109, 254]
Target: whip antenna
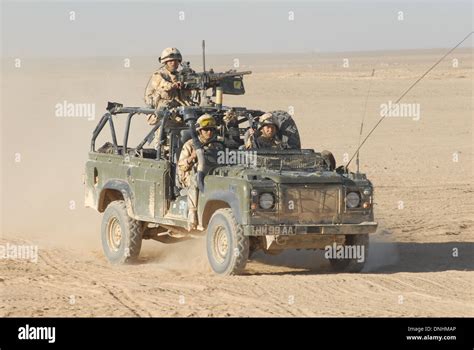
[403, 95]
[363, 117]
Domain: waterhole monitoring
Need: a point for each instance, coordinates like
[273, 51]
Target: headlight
[352, 200]
[266, 201]
[367, 191]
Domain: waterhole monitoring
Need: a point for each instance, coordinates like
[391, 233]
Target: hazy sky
[105, 28]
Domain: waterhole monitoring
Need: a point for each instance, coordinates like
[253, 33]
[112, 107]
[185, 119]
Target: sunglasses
[207, 129]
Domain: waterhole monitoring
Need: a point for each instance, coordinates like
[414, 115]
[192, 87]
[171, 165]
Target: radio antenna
[204, 56]
[363, 117]
[403, 95]
[203, 88]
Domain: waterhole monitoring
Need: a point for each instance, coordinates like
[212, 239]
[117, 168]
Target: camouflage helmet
[267, 119]
[170, 54]
[205, 121]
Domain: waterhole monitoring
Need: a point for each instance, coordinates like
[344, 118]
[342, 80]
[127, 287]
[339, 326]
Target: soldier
[231, 129]
[267, 128]
[206, 127]
[164, 89]
[268, 139]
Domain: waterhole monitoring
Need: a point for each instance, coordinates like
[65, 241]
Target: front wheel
[121, 235]
[354, 244]
[227, 247]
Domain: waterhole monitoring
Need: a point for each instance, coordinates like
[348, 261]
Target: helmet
[170, 54]
[266, 119]
[205, 121]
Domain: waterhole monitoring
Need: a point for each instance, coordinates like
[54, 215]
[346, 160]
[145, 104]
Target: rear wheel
[227, 247]
[121, 235]
[360, 243]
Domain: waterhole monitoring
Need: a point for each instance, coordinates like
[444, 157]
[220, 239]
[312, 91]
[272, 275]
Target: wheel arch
[114, 190]
[220, 200]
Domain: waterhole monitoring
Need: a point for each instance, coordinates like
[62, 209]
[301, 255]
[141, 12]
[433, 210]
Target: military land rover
[249, 200]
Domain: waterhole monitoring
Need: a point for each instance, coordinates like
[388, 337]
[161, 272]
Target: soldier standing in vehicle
[267, 128]
[206, 127]
[164, 89]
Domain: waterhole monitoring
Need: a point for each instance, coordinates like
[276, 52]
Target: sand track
[421, 260]
[68, 282]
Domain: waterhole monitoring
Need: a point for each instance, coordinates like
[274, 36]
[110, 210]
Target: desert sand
[421, 260]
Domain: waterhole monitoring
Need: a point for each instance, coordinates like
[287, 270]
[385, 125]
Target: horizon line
[247, 53]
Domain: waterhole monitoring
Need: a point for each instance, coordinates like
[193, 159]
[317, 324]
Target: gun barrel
[229, 74]
[200, 80]
[215, 77]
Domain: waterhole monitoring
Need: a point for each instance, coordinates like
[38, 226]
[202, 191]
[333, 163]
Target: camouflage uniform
[160, 92]
[261, 141]
[187, 169]
[231, 129]
[173, 121]
[266, 142]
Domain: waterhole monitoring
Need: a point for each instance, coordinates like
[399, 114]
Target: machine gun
[231, 81]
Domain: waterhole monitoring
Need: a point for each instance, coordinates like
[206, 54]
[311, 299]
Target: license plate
[262, 230]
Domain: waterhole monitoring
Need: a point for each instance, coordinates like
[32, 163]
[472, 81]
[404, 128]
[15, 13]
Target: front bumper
[326, 229]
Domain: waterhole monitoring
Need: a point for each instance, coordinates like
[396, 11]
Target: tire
[227, 247]
[287, 129]
[329, 159]
[352, 265]
[121, 235]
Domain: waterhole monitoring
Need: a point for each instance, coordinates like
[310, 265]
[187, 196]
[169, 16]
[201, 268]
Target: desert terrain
[421, 261]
